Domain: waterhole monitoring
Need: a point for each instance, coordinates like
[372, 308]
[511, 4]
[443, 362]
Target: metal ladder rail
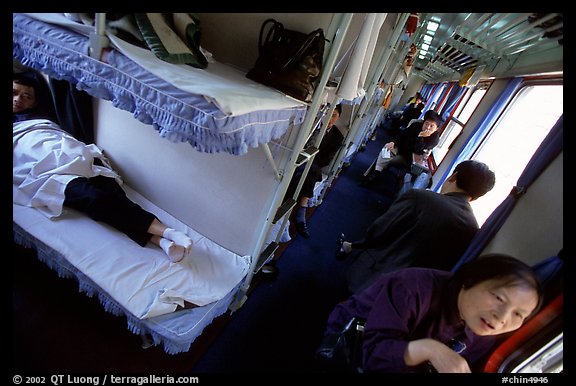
[343, 23]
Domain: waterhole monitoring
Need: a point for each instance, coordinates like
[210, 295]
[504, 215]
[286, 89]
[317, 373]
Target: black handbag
[289, 61]
[342, 351]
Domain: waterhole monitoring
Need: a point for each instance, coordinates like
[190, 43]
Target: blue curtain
[426, 90]
[432, 100]
[482, 129]
[74, 110]
[548, 150]
[452, 100]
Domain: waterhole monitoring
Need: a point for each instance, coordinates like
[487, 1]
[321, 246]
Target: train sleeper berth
[216, 109]
[171, 302]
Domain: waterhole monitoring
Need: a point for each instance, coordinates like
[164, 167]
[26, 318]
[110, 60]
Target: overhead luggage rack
[489, 39]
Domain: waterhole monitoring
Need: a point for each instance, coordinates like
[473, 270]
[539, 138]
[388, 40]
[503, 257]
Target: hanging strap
[309, 40]
[277, 26]
[276, 31]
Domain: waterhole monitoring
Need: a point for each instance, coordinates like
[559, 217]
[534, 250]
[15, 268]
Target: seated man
[395, 115]
[412, 145]
[421, 228]
[53, 170]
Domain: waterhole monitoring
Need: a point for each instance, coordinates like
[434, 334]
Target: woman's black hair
[338, 108]
[498, 266]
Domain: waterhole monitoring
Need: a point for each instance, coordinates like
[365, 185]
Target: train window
[457, 121]
[549, 359]
[514, 138]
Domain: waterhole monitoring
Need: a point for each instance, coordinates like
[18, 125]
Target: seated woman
[413, 111]
[53, 170]
[423, 320]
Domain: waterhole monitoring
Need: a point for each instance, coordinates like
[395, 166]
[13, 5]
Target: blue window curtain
[426, 91]
[454, 97]
[478, 133]
[548, 150]
[434, 98]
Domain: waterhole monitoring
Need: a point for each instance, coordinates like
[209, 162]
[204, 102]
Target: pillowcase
[168, 45]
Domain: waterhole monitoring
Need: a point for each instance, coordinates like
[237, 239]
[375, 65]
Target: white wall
[232, 38]
[222, 196]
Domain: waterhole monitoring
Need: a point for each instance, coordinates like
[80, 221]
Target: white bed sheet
[142, 280]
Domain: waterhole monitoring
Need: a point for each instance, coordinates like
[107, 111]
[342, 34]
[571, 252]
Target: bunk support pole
[270, 158]
[329, 63]
[98, 39]
[317, 101]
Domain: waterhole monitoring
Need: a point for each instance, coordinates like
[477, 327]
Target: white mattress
[143, 281]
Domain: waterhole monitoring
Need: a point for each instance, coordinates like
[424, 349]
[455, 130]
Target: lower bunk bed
[171, 303]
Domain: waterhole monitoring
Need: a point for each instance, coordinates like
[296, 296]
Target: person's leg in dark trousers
[102, 199]
[314, 175]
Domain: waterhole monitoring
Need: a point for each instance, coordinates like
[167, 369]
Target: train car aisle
[281, 324]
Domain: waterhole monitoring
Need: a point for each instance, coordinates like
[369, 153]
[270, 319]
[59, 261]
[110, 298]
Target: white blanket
[141, 279]
[45, 158]
[354, 74]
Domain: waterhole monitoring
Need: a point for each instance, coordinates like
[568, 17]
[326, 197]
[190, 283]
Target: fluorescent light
[432, 26]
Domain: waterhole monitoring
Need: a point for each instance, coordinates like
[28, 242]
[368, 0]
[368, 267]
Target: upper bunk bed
[214, 109]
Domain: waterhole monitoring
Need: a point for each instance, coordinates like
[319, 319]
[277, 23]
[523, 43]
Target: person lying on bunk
[428, 320]
[421, 228]
[413, 144]
[53, 170]
[331, 143]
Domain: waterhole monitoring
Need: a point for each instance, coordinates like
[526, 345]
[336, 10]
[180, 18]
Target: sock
[346, 247]
[301, 214]
[179, 238]
[172, 250]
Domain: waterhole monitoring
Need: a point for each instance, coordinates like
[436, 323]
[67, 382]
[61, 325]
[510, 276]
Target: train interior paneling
[231, 199]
